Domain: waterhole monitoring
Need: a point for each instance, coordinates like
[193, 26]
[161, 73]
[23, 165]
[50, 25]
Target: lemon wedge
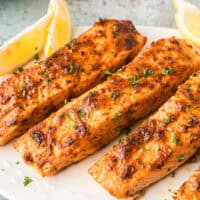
[188, 21]
[24, 46]
[60, 31]
[39, 40]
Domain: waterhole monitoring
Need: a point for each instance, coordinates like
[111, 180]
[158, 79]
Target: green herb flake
[17, 162]
[71, 69]
[74, 122]
[144, 149]
[46, 75]
[187, 89]
[109, 73]
[114, 96]
[187, 110]
[183, 58]
[148, 72]
[24, 93]
[72, 43]
[142, 166]
[180, 158]
[36, 58]
[134, 81]
[123, 137]
[115, 31]
[168, 71]
[27, 181]
[20, 69]
[66, 101]
[118, 115]
[159, 148]
[168, 120]
[143, 132]
[173, 174]
[191, 121]
[81, 113]
[175, 140]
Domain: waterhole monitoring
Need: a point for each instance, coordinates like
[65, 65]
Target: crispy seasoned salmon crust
[91, 121]
[30, 96]
[190, 190]
[162, 143]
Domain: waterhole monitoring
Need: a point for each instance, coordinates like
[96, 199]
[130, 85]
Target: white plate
[74, 183]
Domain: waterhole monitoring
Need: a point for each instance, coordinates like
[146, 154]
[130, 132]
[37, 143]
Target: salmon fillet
[161, 144]
[190, 190]
[92, 120]
[30, 96]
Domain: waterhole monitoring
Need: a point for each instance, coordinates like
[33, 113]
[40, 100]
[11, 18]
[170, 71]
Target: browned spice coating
[30, 96]
[91, 121]
[155, 148]
[190, 190]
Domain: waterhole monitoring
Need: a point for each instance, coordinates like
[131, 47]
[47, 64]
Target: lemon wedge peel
[60, 31]
[188, 21]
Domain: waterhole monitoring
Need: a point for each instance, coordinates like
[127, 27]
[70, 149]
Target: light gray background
[17, 14]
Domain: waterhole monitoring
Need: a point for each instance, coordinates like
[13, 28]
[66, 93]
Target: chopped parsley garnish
[46, 75]
[175, 140]
[180, 158]
[173, 174]
[17, 162]
[168, 71]
[115, 30]
[118, 115]
[66, 101]
[24, 93]
[81, 113]
[114, 96]
[36, 58]
[142, 132]
[144, 148]
[27, 180]
[187, 110]
[109, 73]
[72, 43]
[187, 88]
[168, 120]
[183, 58]
[71, 68]
[191, 121]
[74, 122]
[159, 148]
[134, 81]
[78, 66]
[142, 165]
[148, 72]
[123, 137]
[20, 69]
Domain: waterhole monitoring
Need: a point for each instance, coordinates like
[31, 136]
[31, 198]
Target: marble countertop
[16, 15]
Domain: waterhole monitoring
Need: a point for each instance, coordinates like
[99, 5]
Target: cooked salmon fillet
[92, 120]
[155, 148]
[30, 96]
[190, 190]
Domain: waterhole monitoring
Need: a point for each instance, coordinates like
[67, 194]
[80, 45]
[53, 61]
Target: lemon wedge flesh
[44, 37]
[24, 46]
[60, 31]
[188, 21]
